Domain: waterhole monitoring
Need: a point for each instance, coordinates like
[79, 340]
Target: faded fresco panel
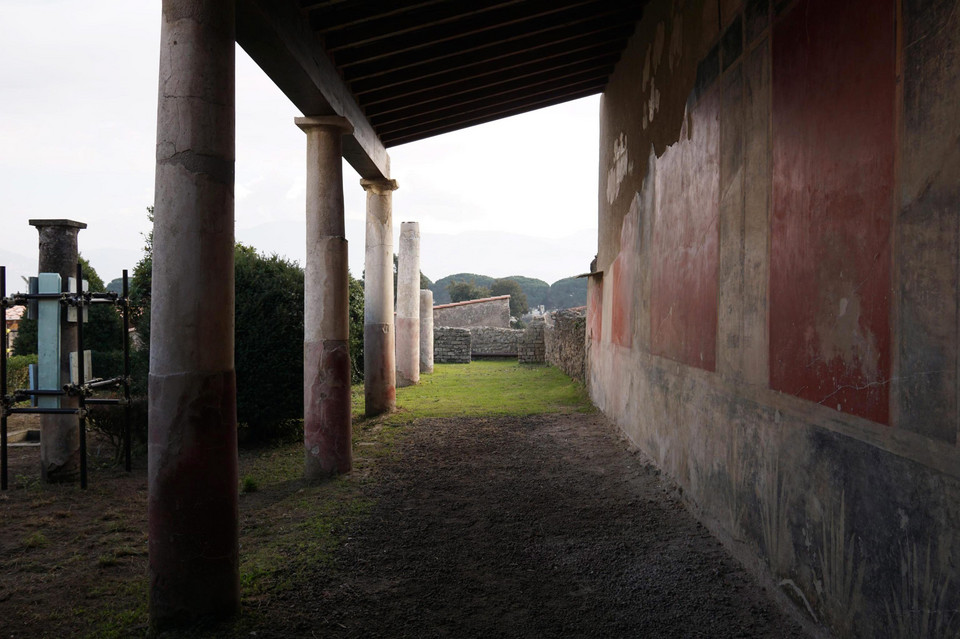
[683, 308]
[833, 158]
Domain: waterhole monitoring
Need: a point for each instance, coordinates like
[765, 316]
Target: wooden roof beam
[275, 35]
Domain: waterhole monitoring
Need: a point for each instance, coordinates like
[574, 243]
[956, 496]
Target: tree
[568, 293]
[141, 283]
[268, 337]
[268, 342]
[461, 291]
[518, 299]
[356, 329]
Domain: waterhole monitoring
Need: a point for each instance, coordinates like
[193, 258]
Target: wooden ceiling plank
[580, 71]
[537, 69]
[409, 20]
[501, 46]
[355, 14]
[511, 63]
[482, 33]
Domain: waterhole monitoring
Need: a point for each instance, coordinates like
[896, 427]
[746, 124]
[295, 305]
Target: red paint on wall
[595, 308]
[620, 304]
[833, 154]
[685, 251]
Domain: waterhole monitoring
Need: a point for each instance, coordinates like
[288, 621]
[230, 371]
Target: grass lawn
[485, 387]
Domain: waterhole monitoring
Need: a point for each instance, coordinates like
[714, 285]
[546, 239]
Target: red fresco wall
[685, 251]
[620, 333]
[595, 308]
[833, 161]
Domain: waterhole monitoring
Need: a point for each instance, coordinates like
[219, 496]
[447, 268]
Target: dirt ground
[543, 526]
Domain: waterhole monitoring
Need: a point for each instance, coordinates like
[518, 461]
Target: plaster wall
[775, 319]
[489, 311]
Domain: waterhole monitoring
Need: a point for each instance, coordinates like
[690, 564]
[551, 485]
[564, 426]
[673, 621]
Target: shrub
[108, 421]
[356, 330]
[268, 340]
[268, 350]
[18, 374]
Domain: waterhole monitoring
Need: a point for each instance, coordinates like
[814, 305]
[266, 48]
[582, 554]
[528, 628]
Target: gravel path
[543, 526]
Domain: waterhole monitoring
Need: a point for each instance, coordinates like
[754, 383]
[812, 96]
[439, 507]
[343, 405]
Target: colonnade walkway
[495, 503]
[541, 525]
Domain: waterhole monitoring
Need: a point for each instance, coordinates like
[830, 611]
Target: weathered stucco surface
[489, 311]
[775, 319]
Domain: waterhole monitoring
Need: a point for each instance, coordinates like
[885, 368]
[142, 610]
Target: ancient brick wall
[451, 345]
[495, 342]
[564, 338]
[531, 348]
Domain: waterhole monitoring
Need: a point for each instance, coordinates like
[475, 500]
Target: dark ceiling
[418, 68]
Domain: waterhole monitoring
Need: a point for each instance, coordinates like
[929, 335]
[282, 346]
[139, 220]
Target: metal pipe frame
[82, 388]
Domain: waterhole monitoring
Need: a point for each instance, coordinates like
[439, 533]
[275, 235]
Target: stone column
[379, 363]
[192, 458]
[408, 305]
[326, 325]
[59, 434]
[426, 331]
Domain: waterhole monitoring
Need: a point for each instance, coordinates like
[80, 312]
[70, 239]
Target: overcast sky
[78, 101]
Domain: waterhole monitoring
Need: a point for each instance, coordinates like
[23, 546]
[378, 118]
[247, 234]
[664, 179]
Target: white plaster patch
[653, 104]
[621, 166]
[843, 306]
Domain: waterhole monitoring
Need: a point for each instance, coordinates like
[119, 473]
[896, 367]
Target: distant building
[13, 316]
[487, 311]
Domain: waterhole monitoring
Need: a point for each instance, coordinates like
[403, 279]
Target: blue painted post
[48, 340]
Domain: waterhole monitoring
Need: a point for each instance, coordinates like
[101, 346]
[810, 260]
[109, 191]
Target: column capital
[67, 223]
[324, 121]
[379, 186]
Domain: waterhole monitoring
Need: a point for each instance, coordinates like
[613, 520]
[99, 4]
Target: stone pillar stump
[59, 434]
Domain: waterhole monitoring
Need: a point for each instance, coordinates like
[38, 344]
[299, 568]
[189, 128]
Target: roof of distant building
[15, 313]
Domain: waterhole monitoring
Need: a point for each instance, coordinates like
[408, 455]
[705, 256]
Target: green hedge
[18, 375]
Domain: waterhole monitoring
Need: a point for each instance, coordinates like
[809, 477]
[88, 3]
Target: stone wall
[564, 338]
[531, 348]
[451, 345]
[489, 311]
[495, 342]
